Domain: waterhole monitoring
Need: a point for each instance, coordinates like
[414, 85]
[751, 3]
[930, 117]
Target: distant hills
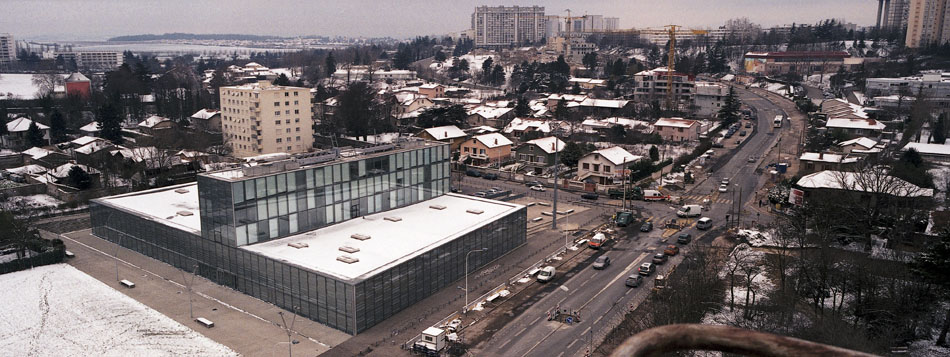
[192, 36]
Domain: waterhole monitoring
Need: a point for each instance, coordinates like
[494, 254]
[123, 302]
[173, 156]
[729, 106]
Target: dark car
[533, 183]
[602, 262]
[473, 173]
[742, 133]
[489, 176]
[590, 196]
[684, 238]
[633, 281]
[456, 190]
[646, 227]
[717, 145]
[748, 124]
[659, 258]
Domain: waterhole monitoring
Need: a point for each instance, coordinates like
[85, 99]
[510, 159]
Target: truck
[597, 241]
[623, 218]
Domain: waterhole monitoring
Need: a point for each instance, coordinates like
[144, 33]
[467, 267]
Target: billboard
[755, 65]
[796, 197]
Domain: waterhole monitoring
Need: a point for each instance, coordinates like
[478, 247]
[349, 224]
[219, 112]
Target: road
[596, 294]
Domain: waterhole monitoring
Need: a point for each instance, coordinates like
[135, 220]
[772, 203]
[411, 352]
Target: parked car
[646, 227]
[602, 262]
[538, 188]
[590, 196]
[671, 250]
[752, 158]
[533, 183]
[646, 269]
[684, 238]
[456, 190]
[723, 188]
[742, 133]
[659, 258]
[489, 176]
[729, 134]
[748, 124]
[480, 194]
[725, 181]
[704, 223]
[473, 173]
[718, 145]
[546, 274]
[633, 281]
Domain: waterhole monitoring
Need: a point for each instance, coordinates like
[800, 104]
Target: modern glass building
[348, 238]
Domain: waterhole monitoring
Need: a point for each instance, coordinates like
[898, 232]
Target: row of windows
[287, 103]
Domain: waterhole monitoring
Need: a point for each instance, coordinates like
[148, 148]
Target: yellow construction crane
[567, 39]
[671, 61]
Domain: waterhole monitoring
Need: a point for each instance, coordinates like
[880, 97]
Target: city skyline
[66, 20]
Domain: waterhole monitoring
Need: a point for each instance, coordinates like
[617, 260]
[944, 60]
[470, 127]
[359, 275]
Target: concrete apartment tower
[926, 23]
[261, 118]
[502, 26]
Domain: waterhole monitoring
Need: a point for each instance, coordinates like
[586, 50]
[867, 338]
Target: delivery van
[690, 211]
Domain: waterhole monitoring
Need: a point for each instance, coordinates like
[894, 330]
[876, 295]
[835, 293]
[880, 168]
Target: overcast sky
[100, 19]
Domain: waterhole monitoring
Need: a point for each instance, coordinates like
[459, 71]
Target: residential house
[17, 133]
[409, 105]
[487, 148]
[605, 165]
[820, 161]
[448, 134]
[840, 108]
[708, 98]
[485, 115]
[432, 90]
[587, 83]
[538, 154]
[518, 127]
[91, 129]
[677, 129]
[863, 183]
[931, 152]
[44, 157]
[859, 145]
[571, 100]
[602, 125]
[154, 124]
[606, 107]
[856, 127]
[207, 119]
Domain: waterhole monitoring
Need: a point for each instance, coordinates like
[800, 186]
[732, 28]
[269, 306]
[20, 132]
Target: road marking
[628, 291]
[560, 354]
[623, 273]
[522, 330]
[572, 343]
[564, 287]
[536, 320]
[506, 343]
[585, 282]
[598, 319]
[562, 300]
[585, 331]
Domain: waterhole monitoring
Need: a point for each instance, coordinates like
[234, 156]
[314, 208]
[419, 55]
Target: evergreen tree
[729, 113]
[330, 64]
[79, 178]
[940, 131]
[521, 108]
[439, 56]
[497, 75]
[654, 154]
[4, 115]
[486, 68]
[110, 123]
[34, 136]
[57, 126]
[590, 61]
[282, 80]
[934, 266]
[463, 65]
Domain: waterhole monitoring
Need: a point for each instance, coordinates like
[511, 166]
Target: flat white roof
[163, 205]
[420, 229]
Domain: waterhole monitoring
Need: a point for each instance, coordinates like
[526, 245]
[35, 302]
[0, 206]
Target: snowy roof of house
[27, 170]
[205, 114]
[548, 144]
[493, 140]
[851, 123]
[390, 243]
[864, 142]
[163, 205]
[430, 85]
[617, 155]
[864, 182]
[62, 171]
[37, 152]
[481, 129]
[828, 157]
[152, 121]
[605, 103]
[77, 77]
[568, 97]
[90, 128]
[445, 132]
[85, 140]
[93, 147]
[675, 122]
[489, 112]
[930, 149]
[23, 124]
[840, 108]
[522, 124]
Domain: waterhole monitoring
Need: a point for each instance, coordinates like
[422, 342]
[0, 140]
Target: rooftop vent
[349, 249]
[358, 236]
[475, 211]
[438, 207]
[298, 245]
[393, 219]
[181, 190]
[347, 259]
[185, 213]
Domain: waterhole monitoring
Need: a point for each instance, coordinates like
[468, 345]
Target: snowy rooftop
[390, 243]
[617, 155]
[548, 144]
[490, 112]
[864, 182]
[163, 205]
[37, 152]
[930, 149]
[848, 123]
[568, 97]
[445, 132]
[840, 108]
[861, 141]
[205, 114]
[85, 140]
[152, 121]
[23, 124]
[522, 124]
[827, 157]
[604, 103]
[675, 122]
[493, 140]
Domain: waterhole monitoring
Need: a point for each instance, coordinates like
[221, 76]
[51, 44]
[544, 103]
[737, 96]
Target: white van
[546, 274]
[704, 223]
[690, 211]
[653, 195]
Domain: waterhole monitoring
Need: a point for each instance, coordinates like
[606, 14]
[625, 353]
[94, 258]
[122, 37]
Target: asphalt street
[598, 294]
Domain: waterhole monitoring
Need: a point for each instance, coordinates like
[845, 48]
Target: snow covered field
[31, 202]
[57, 310]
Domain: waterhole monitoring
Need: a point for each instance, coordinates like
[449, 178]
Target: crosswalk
[712, 199]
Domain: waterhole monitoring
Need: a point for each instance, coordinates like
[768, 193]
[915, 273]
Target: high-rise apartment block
[502, 26]
[261, 118]
[7, 49]
[93, 60]
[927, 23]
[892, 14]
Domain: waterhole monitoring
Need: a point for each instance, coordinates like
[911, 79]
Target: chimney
[496, 141]
[821, 155]
[446, 134]
[554, 146]
[871, 122]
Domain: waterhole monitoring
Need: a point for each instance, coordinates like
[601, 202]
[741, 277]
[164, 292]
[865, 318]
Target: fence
[24, 190]
[52, 256]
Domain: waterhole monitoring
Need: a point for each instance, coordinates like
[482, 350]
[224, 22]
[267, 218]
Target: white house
[931, 152]
[604, 165]
[677, 129]
[856, 126]
[17, 136]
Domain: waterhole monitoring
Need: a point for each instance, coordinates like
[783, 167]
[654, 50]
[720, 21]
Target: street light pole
[739, 213]
[465, 307]
[554, 205]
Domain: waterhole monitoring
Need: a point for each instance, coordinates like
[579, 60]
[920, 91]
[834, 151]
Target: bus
[777, 122]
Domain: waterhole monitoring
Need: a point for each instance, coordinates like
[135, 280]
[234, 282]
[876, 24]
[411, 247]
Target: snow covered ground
[31, 202]
[57, 310]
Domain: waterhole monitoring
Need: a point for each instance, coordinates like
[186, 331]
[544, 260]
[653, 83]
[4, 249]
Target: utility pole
[623, 167]
[289, 329]
[554, 205]
[739, 213]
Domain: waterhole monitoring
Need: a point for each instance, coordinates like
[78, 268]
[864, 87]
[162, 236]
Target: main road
[599, 294]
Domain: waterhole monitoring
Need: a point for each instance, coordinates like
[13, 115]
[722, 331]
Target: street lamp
[465, 307]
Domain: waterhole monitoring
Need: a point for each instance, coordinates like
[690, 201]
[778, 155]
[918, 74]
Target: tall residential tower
[502, 26]
[261, 118]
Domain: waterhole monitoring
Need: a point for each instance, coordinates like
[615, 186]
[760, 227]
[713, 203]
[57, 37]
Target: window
[296, 120]
[596, 167]
[531, 148]
[286, 94]
[586, 166]
[287, 112]
[295, 94]
[296, 102]
[279, 140]
[288, 130]
[606, 168]
[287, 103]
[277, 122]
[286, 121]
[465, 149]
[298, 138]
[276, 104]
[481, 151]
[296, 111]
[277, 113]
[298, 129]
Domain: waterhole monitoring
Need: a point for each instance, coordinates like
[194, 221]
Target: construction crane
[567, 39]
[671, 61]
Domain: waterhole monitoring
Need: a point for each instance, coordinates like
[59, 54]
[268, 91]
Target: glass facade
[261, 208]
